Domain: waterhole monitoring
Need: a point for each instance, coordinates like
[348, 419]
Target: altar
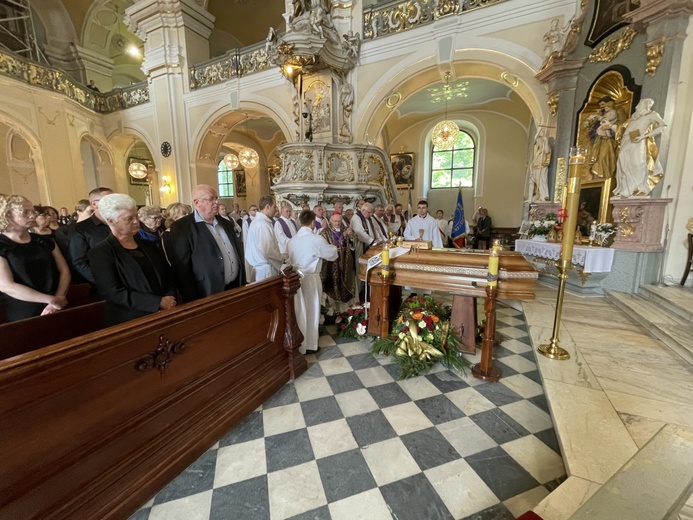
[591, 264]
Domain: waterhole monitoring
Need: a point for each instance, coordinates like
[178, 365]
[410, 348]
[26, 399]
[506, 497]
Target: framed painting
[609, 15]
[150, 170]
[594, 202]
[403, 169]
[241, 189]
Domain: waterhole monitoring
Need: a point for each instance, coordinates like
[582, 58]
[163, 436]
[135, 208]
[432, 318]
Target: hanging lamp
[249, 157]
[231, 161]
[446, 132]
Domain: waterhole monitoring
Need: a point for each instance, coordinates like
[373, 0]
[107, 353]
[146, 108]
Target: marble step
[672, 330]
[678, 300]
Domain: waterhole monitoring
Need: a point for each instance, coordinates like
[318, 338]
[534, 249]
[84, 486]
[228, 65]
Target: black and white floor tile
[348, 441]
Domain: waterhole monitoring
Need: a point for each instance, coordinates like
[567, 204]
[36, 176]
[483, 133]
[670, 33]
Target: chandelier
[137, 170]
[231, 161]
[446, 132]
[249, 157]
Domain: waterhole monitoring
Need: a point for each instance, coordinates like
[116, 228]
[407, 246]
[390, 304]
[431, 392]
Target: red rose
[405, 329]
[430, 326]
[343, 327]
[350, 312]
[364, 322]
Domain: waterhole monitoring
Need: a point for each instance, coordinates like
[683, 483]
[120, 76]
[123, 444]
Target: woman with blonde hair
[34, 277]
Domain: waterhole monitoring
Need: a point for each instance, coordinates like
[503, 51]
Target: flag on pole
[459, 226]
[409, 214]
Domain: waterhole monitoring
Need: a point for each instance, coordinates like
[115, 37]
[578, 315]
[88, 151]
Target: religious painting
[403, 169]
[239, 179]
[600, 124]
[150, 170]
[609, 15]
[594, 203]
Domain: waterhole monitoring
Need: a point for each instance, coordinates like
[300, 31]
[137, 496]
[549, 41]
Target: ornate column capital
[654, 10]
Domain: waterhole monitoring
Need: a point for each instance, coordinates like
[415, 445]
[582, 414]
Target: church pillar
[175, 35]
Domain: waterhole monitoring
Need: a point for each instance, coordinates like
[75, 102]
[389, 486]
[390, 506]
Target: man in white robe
[285, 228]
[442, 226]
[320, 220]
[247, 219]
[307, 251]
[423, 221]
[262, 251]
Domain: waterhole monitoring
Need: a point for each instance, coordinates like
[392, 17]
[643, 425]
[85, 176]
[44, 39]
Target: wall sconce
[166, 187]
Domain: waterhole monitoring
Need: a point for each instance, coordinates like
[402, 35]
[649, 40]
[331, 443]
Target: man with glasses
[206, 256]
[86, 235]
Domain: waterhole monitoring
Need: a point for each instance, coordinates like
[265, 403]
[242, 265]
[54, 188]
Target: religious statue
[602, 134]
[352, 44]
[638, 169]
[538, 168]
[553, 40]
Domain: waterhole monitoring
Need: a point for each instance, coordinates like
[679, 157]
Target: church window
[225, 178]
[453, 167]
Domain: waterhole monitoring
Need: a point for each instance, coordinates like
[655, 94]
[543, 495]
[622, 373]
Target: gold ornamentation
[57, 81]
[561, 168]
[655, 53]
[613, 46]
[689, 225]
[553, 104]
[410, 14]
[510, 79]
[626, 229]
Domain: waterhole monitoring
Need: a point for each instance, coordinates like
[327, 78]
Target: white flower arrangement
[543, 226]
[604, 231]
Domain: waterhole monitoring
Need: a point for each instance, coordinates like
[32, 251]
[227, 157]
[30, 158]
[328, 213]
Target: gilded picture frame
[595, 197]
[403, 168]
[609, 15]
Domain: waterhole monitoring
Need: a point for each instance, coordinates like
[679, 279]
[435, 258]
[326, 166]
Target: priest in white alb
[423, 223]
[262, 250]
[284, 228]
[307, 251]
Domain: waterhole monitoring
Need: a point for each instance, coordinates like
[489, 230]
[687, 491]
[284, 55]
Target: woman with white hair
[34, 277]
[130, 273]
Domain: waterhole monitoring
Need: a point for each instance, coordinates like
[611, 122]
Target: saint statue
[538, 168]
[638, 168]
[603, 129]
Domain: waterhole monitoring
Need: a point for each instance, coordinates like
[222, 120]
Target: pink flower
[343, 327]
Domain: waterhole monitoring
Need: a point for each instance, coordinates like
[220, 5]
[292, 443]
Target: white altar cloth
[591, 259]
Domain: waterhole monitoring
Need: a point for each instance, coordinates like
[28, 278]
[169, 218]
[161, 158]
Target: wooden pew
[92, 427]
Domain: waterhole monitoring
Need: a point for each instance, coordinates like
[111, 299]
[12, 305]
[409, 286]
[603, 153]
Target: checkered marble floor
[347, 441]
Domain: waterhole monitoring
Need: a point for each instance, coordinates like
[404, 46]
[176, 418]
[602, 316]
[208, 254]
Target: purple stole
[249, 220]
[285, 226]
[382, 229]
[317, 224]
[365, 223]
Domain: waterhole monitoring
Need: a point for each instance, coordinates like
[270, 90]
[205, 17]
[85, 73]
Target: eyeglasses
[209, 199]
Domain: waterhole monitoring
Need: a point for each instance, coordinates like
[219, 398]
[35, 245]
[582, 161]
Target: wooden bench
[93, 426]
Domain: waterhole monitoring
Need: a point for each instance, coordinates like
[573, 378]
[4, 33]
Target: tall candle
[385, 256]
[493, 258]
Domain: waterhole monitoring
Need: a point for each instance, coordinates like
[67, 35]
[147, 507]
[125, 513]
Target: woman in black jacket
[131, 274]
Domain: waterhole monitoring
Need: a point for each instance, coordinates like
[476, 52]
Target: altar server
[262, 251]
[307, 251]
[423, 221]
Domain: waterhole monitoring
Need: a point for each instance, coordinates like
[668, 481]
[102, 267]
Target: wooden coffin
[92, 427]
[462, 273]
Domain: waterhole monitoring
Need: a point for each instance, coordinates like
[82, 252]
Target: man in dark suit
[207, 257]
[88, 234]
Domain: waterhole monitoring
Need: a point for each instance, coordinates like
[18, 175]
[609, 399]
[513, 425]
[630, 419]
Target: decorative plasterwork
[655, 53]
[613, 46]
[553, 103]
[654, 10]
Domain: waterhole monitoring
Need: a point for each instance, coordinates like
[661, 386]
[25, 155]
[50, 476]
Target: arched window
[225, 178]
[453, 167]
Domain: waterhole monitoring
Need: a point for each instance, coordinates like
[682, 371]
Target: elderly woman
[174, 212]
[34, 276]
[131, 274]
[150, 224]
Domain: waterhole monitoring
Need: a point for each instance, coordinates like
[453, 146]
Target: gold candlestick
[572, 202]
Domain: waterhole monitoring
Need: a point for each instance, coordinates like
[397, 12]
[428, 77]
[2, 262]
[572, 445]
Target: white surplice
[307, 251]
[282, 238]
[429, 226]
[261, 249]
